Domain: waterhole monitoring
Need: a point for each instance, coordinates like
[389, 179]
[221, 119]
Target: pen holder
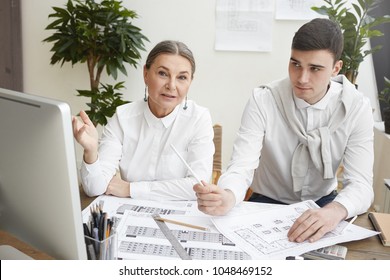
[106, 249]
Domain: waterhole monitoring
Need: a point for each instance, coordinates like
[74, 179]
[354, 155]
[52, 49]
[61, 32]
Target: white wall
[223, 80]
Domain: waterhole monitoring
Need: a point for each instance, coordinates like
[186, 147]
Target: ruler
[171, 238]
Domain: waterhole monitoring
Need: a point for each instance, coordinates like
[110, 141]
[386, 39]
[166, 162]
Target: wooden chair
[217, 162]
[248, 194]
[339, 175]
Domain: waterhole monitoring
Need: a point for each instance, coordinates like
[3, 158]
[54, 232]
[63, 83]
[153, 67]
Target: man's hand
[314, 223]
[214, 200]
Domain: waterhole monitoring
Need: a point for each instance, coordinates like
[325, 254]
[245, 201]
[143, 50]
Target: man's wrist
[339, 209]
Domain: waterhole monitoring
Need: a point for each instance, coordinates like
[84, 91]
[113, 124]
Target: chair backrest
[217, 163]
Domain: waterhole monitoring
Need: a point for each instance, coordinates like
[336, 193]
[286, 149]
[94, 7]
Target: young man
[295, 133]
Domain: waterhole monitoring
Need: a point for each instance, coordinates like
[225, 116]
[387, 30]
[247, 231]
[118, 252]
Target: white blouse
[138, 144]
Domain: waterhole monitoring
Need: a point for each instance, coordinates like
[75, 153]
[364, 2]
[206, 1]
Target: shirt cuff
[235, 186]
[92, 168]
[140, 190]
[351, 209]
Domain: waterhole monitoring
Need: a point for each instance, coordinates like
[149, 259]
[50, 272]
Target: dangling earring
[146, 96]
[185, 104]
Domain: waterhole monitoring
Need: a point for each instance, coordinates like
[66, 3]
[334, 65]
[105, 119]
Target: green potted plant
[384, 97]
[101, 35]
[357, 27]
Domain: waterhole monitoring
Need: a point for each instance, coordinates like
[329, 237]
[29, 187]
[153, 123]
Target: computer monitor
[39, 193]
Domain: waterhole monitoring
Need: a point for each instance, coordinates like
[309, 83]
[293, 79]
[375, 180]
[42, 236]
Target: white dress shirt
[138, 144]
[265, 145]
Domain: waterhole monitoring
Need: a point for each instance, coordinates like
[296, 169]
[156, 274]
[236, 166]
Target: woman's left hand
[118, 187]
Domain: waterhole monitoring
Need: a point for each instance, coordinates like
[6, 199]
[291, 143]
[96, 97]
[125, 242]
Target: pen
[104, 237]
[186, 164]
[181, 224]
[95, 235]
[90, 247]
[87, 232]
[294, 258]
[104, 231]
[350, 223]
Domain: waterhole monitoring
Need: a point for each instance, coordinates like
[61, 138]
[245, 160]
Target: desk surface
[369, 248]
[366, 249]
[8, 239]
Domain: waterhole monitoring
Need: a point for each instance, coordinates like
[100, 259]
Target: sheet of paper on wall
[244, 25]
[297, 9]
[140, 238]
[264, 235]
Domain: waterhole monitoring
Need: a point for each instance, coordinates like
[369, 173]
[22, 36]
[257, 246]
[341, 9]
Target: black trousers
[256, 197]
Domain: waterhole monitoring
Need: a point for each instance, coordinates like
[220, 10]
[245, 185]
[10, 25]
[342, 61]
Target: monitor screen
[39, 193]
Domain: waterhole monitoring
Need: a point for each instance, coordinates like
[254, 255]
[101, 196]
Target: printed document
[264, 235]
[244, 25]
[249, 231]
[140, 238]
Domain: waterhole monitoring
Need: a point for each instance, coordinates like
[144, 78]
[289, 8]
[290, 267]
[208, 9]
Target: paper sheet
[264, 235]
[116, 206]
[297, 9]
[244, 25]
[249, 231]
[141, 238]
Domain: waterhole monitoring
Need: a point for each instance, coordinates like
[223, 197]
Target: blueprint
[249, 231]
[116, 206]
[263, 235]
[141, 238]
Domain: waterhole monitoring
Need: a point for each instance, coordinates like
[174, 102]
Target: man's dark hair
[319, 34]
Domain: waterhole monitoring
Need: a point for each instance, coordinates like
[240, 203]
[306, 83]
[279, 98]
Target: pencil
[350, 223]
[181, 224]
[186, 164]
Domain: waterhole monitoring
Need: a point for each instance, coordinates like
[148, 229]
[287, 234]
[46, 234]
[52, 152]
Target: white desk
[381, 164]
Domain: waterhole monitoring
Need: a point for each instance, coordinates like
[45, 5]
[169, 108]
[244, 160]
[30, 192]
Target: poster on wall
[244, 25]
[297, 9]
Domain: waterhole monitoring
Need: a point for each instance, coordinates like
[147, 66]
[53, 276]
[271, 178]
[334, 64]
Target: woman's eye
[162, 73]
[183, 77]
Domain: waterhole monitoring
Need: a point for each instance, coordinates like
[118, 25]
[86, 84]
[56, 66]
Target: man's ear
[337, 67]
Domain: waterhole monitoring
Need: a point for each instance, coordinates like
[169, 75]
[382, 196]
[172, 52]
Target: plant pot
[386, 119]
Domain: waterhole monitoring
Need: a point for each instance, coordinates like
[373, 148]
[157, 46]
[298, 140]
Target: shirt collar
[320, 105]
[166, 121]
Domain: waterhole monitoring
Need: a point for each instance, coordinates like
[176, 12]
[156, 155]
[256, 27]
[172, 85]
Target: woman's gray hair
[171, 47]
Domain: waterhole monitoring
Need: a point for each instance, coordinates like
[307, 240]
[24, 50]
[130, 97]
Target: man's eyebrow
[311, 65]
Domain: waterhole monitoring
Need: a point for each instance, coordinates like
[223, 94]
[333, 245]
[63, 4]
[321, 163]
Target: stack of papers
[249, 231]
